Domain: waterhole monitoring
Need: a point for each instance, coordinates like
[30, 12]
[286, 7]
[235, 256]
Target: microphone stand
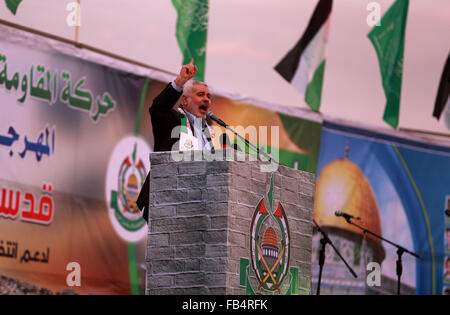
[220, 122]
[400, 251]
[323, 242]
[259, 151]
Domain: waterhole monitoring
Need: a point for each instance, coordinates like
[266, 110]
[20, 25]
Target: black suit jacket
[164, 118]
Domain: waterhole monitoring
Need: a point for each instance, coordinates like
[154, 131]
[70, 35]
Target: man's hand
[187, 72]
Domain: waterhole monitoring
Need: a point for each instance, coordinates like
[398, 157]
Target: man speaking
[195, 133]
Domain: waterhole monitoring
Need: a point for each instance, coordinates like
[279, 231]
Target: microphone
[346, 215]
[211, 116]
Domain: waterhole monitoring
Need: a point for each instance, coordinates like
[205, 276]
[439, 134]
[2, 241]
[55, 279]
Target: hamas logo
[270, 251]
[125, 177]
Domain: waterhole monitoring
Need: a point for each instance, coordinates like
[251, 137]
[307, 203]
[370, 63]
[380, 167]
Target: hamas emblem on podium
[269, 252]
[125, 177]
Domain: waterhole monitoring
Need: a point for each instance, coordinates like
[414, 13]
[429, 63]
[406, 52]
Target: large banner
[396, 187]
[72, 162]
[74, 143]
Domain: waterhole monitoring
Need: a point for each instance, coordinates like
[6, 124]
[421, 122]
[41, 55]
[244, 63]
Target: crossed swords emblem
[132, 204]
[269, 270]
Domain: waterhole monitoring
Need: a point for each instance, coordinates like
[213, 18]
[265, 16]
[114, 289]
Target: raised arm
[164, 102]
[187, 72]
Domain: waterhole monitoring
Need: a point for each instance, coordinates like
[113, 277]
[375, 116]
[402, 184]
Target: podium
[226, 226]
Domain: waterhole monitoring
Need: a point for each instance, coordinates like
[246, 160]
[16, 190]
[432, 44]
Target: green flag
[192, 28]
[13, 5]
[389, 41]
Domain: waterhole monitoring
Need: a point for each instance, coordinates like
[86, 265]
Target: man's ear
[184, 99]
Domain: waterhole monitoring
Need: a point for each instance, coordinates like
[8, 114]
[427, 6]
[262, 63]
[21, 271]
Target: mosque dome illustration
[132, 183]
[270, 246]
[132, 189]
[342, 186]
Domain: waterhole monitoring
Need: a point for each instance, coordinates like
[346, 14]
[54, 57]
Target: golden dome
[342, 186]
[132, 181]
[270, 238]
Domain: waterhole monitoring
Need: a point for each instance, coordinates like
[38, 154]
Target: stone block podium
[226, 227]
